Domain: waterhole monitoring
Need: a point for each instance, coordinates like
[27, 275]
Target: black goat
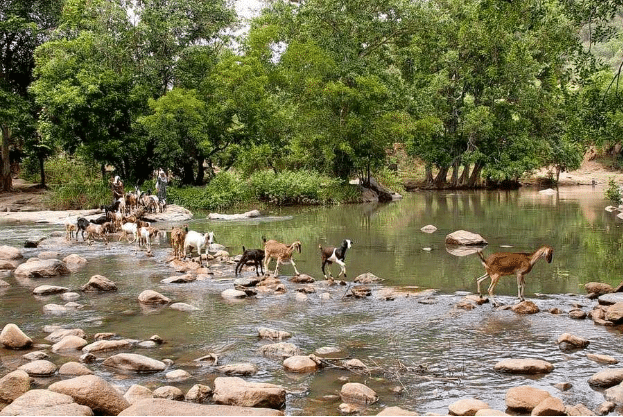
[337, 255]
[253, 257]
[82, 225]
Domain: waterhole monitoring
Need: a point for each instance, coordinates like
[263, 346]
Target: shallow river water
[434, 352]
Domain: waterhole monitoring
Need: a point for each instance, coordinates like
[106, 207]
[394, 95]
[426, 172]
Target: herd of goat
[128, 219]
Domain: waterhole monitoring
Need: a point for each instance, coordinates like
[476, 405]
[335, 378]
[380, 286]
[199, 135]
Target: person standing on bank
[117, 189]
[161, 186]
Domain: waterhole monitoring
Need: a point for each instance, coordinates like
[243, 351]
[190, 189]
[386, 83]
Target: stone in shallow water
[524, 366]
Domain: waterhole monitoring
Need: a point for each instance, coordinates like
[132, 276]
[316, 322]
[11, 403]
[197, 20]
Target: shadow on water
[422, 353]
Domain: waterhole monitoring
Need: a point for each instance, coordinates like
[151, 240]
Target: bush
[613, 192]
[79, 195]
[225, 190]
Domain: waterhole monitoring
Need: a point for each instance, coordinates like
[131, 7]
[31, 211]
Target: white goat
[129, 228]
[198, 241]
[145, 236]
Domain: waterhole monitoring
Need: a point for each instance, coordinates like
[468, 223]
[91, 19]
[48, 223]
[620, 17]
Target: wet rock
[612, 298]
[75, 262]
[136, 393]
[242, 369]
[301, 297]
[12, 385]
[45, 268]
[300, 364]
[614, 394]
[177, 375]
[99, 283]
[525, 398]
[237, 391]
[598, 288]
[12, 337]
[563, 386]
[368, 278]
[41, 367]
[34, 241]
[525, 307]
[346, 408]
[35, 356]
[49, 289]
[69, 343]
[605, 408]
[465, 238]
[605, 359]
[266, 333]
[198, 393]
[169, 392]
[246, 282]
[70, 296]
[607, 378]
[614, 313]
[180, 279]
[88, 358]
[55, 309]
[569, 341]
[429, 229]
[183, 307]
[354, 365]
[209, 359]
[577, 314]
[232, 293]
[302, 279]
[396, 411]
[74, 369]
[555, 310]
[134, 363]
[490, 412]
[579, 410]
[465, 304]
[49, 255]
[328, 351]
[10, 253]
[163, 407]
[59, 334]
[147, 344]
[467, 407]
[94, 392]
[356, 393]
[152, 297]
[524, 366]
[106, 345]
[239, 216]
[41, 402]
[360, 291]
[104, 336]
[550, 406]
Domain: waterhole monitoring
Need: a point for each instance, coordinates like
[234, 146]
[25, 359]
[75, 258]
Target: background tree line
[476, 89]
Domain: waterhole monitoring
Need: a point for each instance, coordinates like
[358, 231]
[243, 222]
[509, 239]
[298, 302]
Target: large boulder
[152, 297]
[10, 253]
[607, 378]
[69, 343]
[94, 392]
[12, 337]
[106, 345]
[300, 364]
[356, 393]
[40, 367]
[524, 366]
[467, 407]
[45, 268]
[465, 238]
[75, 262]
[12, 385]
[99, 283]
[525, 398]
[598, 288]
[42, 402]
[137, 393]
[134, 362]
[237, 391]
[279, 350]
[162, 407]
[612, 298]
[614, 313]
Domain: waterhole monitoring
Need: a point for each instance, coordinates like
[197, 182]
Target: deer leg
[494, 281]
[294, 266]
[479, 280]
[521, 283]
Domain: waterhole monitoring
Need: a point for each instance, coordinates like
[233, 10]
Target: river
[434, 353]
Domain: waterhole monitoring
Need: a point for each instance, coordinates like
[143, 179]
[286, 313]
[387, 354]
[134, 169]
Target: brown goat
[501, 264]
[99, 230]
[281, 252]
[178, 235]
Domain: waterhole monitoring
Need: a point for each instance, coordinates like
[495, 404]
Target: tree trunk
[465, 175]
[440, 179]
[454, 178]
[6, 182]
[188, 174]
[429, 175]
[475, 177]
[42, 170]
[200, 171]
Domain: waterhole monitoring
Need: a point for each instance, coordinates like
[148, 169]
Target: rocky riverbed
[76, 371]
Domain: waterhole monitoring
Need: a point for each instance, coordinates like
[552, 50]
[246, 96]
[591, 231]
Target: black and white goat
[253, 257]
[337, 255]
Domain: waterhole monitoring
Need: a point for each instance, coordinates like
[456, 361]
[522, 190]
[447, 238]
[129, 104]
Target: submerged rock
[300, 364]
[134, 363]
[354, 392]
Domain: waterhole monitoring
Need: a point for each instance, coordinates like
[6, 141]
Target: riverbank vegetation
[315, 93]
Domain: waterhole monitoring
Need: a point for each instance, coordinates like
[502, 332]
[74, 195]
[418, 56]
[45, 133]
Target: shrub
[613, 192]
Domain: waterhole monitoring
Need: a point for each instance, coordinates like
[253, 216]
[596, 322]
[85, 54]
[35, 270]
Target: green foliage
[613, 192]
